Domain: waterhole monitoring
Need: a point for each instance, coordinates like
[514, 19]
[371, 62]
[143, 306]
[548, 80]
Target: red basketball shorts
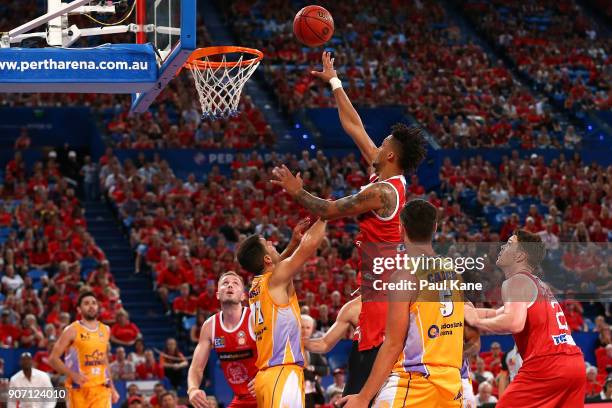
[547, 382]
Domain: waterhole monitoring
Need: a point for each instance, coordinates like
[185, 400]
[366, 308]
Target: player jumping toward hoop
[276, 316]
[230, 333]
[378, 204]
[552, 374]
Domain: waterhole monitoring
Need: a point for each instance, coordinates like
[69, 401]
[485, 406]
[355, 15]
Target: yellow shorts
[280, 387]
[98, 396]
[441, 389]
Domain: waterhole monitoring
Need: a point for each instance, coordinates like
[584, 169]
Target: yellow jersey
[86, 355]
[435, 333]
[277, 327]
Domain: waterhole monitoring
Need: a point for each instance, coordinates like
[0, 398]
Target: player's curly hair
[532, 246]
[411, 141]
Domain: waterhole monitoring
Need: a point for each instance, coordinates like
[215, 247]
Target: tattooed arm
[379, 197]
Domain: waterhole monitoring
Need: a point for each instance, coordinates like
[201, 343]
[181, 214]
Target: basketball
[313, 26]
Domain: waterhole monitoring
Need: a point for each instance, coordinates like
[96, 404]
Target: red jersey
[546, 332]
[376, 229]
[237, 351]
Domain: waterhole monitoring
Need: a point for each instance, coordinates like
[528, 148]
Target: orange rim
[195, 59]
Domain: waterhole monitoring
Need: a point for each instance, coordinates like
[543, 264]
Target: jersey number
[448, 306]
[258, 315]
[559, 315]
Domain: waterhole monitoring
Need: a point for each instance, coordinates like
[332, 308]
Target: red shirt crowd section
[575, 197]
[405, 53]
[47, 259]
[187, 230]
[556, 44]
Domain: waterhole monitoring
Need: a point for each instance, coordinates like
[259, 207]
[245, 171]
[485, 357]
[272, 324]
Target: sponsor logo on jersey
[241, 338]
[563, 338]
[446, 329]
[94, 359]
[236, 373]
[254, 292]
[235, 355]
[219, 342]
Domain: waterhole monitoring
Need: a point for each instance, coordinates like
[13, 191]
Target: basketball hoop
[219, 83]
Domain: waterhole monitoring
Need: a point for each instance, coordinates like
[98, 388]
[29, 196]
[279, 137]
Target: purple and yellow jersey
[465, 370]
[435, 333]
[86, 355]
[277, 327]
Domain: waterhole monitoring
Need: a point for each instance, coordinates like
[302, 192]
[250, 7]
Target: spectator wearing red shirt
[124, 332]
[40, 257]
[415, 188]
[169, 279]
[573, 316]
[207, 301]
[593, 388]
[41, 358]
[493, 361]
[596, 233]
[509, 226]
[186, 303]
[9, 333]
[6, 219]
[150, 369]
[66, 254]
[31, 334]
[603, 356]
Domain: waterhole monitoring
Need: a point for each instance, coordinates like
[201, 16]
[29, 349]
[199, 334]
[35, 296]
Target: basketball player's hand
[251, 387]
[298, 230]
[328, 68]
[197, 398]
[78, 378]
[353, 401]
[115, 397]
[292, 184]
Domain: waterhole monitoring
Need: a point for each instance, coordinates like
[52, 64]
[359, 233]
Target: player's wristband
[191, 389]
[335, 83]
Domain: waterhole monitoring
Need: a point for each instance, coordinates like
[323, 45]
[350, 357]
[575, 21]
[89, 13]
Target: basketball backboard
[170, 25]
[161, 36]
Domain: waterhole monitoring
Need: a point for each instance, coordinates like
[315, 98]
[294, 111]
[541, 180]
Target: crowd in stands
[554, 42]
[47, 258]
[409, 54]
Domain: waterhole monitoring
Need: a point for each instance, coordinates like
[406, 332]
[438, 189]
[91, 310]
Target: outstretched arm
[517, 292]
[379, 197]
[284, 271]
[347, 317]
[296, 237]
[349, 118]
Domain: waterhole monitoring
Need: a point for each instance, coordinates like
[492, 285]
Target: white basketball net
[219, 88]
